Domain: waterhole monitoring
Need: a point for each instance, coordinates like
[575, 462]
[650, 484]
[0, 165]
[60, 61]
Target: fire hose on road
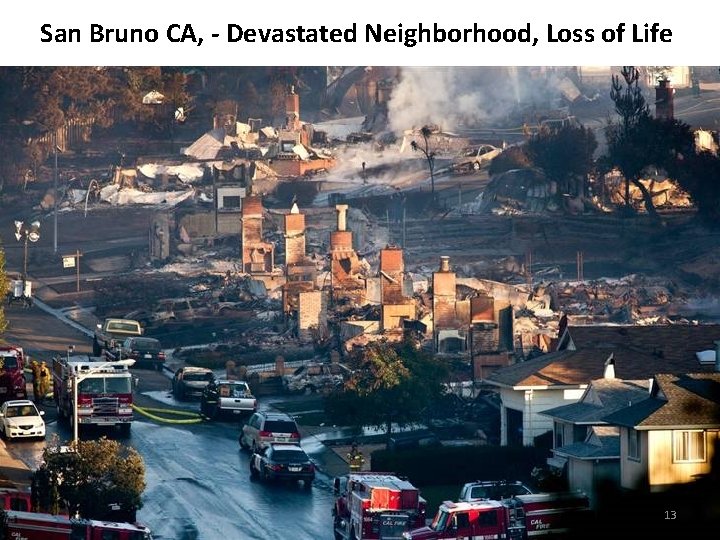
[194, 418]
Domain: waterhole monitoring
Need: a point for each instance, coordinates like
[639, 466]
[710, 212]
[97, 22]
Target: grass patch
[311, 419]
[307, 412]
[298, 407]
[435, 495]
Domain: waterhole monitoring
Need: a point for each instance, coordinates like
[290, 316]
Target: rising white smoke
[455, 97]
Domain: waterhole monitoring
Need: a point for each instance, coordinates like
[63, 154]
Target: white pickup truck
[225, 397]
[112, 332]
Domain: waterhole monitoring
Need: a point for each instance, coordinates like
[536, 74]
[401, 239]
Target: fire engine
[15, 499]
[34, 526]
[372, 505]
[518, 518]
[104, 391]
[12, 376]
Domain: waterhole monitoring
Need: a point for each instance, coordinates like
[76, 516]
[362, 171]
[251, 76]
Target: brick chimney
[609, 372]
[292, 110]
[664, 100]
[294, 236]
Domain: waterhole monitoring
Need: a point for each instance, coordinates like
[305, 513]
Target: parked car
[190, 381]
[282, 462]
[20, 419]
[492, 489]
[265, 428]
[146, 351]
[223, 397]
[316, 377]
[476, 157]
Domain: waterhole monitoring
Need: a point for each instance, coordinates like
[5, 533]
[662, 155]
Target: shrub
[469, 463]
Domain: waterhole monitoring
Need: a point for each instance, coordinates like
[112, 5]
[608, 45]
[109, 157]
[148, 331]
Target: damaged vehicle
[476, 157]
[316, 377]
[190, 382]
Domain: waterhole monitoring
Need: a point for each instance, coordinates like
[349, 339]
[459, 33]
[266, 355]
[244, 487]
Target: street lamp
[26, 232]
[55, 177]
[77, 378]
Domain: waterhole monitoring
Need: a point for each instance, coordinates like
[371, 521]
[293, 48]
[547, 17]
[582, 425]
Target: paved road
[198, 482]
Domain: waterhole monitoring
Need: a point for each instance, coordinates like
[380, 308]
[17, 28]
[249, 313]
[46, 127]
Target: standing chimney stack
[609, 372]
[664, 100]
[444, 263]
[341, 210]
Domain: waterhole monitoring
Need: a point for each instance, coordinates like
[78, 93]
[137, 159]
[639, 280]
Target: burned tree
[638, 140]
[429, 154]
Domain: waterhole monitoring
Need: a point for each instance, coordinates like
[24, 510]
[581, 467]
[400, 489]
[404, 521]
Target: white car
[20, 419]
[477, 157]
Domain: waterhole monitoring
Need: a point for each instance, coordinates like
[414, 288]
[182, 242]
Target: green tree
[395, 385]
[99, 474]
[565, 155]
[34, 100]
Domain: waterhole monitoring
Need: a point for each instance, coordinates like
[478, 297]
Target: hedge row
[428, 466]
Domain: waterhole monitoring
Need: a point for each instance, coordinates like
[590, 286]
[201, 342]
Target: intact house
[671, 437]
[638, 434]
[562, 376]
[585, 446]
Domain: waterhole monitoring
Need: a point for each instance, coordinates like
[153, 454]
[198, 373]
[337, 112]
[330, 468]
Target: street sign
[68, 261]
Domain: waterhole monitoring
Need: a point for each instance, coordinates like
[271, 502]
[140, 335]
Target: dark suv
[265, 428]
[146, 351]
[190, 381]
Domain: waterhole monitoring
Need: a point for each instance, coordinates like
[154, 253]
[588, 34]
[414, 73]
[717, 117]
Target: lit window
[633, 444]
[688, 445]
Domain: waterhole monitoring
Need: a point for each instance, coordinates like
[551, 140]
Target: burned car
[317, 377]
[476, 157]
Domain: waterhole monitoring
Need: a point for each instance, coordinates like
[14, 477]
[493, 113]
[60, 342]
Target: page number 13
[670, 514]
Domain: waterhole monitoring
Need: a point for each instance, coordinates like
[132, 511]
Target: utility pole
[77, 265]
[55, 194]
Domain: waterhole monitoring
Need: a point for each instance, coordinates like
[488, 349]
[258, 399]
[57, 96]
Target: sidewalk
[13, 472]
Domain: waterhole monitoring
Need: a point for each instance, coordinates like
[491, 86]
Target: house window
[688, 446]
[558, 435]
[633, 444]
[231, 201]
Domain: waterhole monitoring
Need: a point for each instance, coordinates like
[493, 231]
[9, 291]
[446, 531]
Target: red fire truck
[372, 505]
[33, 526]
[12, 375]
[557, 515]
[104, 391]
[15, 499]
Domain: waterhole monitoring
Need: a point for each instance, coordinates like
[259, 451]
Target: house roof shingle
[602, 443]
[602, 397]
[639, 352]
[685, 401]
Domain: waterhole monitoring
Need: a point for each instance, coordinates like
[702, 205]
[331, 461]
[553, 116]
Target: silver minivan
[265, 428]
